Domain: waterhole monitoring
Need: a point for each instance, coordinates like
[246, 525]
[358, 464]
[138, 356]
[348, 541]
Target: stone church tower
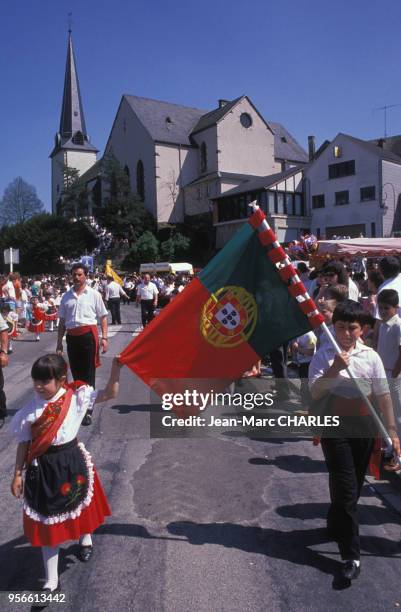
[72, 146]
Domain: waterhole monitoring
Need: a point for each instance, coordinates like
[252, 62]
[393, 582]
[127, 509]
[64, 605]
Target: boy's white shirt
[365, 365]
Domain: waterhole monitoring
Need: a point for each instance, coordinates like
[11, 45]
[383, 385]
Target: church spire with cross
[72, 118]
[72, 131]
[72, 146]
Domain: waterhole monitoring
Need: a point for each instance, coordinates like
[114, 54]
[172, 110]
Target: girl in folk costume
[36, 323]
[63, 498]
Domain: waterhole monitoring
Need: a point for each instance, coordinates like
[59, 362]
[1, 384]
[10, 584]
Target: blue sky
[316, 66]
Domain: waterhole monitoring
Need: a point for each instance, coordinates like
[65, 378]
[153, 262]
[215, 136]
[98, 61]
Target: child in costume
[62, 494]
[36, 324]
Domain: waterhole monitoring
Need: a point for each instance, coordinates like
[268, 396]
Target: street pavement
[221, 524]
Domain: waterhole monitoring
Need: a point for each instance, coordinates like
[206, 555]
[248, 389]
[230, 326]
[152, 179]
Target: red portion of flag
[172, 346]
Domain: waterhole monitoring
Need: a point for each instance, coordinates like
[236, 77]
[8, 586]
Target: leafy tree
[122, 213]
[145, 249]
[74, 200]
[43, 239]
[19, 203]
[175, 247]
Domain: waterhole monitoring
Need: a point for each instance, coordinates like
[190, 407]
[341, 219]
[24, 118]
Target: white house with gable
[353, 188]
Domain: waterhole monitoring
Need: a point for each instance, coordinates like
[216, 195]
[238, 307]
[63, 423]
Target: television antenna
[385, 109]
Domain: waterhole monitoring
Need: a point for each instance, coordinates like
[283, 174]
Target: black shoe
[350, 570]
[85, 553]
[46, 591]
[87, 420]
[2, 421]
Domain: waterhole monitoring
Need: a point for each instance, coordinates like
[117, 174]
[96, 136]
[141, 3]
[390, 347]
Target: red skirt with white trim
[40, 534]
[63, 496]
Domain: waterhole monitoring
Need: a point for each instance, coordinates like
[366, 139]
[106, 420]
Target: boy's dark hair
[369, 319]
[389, 297]
[389, 267]
[302, 267]
[349, 312]
[48, 367]
[79, 266]
[339, 269]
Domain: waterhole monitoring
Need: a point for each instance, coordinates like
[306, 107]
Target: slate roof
[153, 114]
[390, 143]
[186, 121]
[285, 145]
[224, 175]
[260, 183]
[212, 117]
[373, 148]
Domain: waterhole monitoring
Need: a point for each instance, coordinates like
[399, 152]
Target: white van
[165, 266]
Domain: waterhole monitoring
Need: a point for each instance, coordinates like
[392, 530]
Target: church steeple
[72, 148]
[72, 113]
[72, 133]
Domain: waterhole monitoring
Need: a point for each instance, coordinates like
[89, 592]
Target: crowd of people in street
[359, 301]
[31, 304]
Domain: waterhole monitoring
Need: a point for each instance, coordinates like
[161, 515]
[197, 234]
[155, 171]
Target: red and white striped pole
[297, 289]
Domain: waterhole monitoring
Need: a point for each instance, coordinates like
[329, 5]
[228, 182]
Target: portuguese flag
[245, 303]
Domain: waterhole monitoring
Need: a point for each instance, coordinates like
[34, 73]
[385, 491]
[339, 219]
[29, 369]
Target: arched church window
[140, 180]
[203, 154]
[78, 138]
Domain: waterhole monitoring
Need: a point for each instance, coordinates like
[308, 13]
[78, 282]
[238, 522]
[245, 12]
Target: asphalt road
[220, 524]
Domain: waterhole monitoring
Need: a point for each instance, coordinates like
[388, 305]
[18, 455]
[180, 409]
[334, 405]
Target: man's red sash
[84, 329]
[45, 429]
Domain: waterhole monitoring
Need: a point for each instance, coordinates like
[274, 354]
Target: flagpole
[304, 297]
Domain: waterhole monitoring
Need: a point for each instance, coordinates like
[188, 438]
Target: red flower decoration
[81, 479]
[65, 488]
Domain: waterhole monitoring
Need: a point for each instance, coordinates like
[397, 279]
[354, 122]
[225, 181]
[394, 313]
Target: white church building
[178, 158]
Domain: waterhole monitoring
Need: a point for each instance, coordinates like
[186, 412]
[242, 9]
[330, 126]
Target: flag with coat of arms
[246, 302]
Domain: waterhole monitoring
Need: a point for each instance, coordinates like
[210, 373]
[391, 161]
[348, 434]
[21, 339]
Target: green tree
[74, 200]
[175, 248]
[145, 249]
[20, 202]
[122, 212]
[45, 238]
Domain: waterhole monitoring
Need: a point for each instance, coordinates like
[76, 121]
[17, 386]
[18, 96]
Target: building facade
[179, 158]
[281, 197]
[353, 188]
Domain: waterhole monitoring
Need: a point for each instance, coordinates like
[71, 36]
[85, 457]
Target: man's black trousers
[147, 311]
[114, 306]
[81, 352]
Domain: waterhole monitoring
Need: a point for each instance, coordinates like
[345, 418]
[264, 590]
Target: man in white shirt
[80, 308]
[112, 296]
[146, 295]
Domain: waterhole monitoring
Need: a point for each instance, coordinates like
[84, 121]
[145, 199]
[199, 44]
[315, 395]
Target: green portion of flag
[244, 263]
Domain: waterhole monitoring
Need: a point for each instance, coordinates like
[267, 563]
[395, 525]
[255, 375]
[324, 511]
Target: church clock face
[246, 120]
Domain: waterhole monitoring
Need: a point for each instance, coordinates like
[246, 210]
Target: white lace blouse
[82, 400]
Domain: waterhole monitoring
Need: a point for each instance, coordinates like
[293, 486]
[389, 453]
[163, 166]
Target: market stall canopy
[368, 247]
